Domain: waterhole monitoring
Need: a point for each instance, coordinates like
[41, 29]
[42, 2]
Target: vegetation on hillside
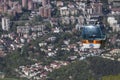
[92, 68]
[111, 77]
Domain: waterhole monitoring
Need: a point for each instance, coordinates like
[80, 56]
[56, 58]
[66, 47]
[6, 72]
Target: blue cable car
[92, 36]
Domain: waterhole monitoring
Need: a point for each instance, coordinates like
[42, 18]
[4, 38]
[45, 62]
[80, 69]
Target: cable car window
[92, 32]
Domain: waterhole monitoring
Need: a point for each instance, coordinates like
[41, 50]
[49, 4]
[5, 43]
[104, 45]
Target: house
[23, 29]
[115, 51]
[66, 42]
[48, 68]
[56, 30]
[80, 20]
[115, 11]
[72, 19]
[55, 65]
[116, 3]
[64, 11]
[2, 53]
[42, 44]
[38, 28]
[43, 74]
[66, 20]
[51, 54]
[59, 3]
[2, 75]
[78, 27]
[52, 38]
[50, 47]
[113, 23]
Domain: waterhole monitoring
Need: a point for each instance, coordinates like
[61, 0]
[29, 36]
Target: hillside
[90, 69]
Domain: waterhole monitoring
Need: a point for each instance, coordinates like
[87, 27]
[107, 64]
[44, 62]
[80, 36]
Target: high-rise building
[5, 8]
[45, 2]
[48, 12]
[0, 1]
[30, 5]
[5, 0]
[41, 11]
[24, 3]
[10, 3]
[97, 8]
[34, 5]
[19, 8]
[45, 11]
[5, 24]
[1, 8]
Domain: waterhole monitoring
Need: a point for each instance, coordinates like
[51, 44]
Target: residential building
[1, 9]
[59, 3]
[64, 11]
[41, 11]
[45, 2]
[30, 5]
[45, 11]
[116, 4]
[115, 11]
[5, 23]
[24, 3]
[97, 8]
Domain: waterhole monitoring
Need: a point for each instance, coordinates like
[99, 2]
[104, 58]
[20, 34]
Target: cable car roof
[93, 32]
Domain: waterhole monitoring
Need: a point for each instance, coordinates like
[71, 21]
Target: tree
[75, 71]
[24, 16]
[92, 68]
[37, 18]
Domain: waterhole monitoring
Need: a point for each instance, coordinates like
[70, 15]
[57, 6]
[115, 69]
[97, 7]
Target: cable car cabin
[92, 36]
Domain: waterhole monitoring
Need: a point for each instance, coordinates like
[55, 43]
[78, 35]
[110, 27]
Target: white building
[5, 24]
[37, 1]
[64, 11]
[113, 23]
